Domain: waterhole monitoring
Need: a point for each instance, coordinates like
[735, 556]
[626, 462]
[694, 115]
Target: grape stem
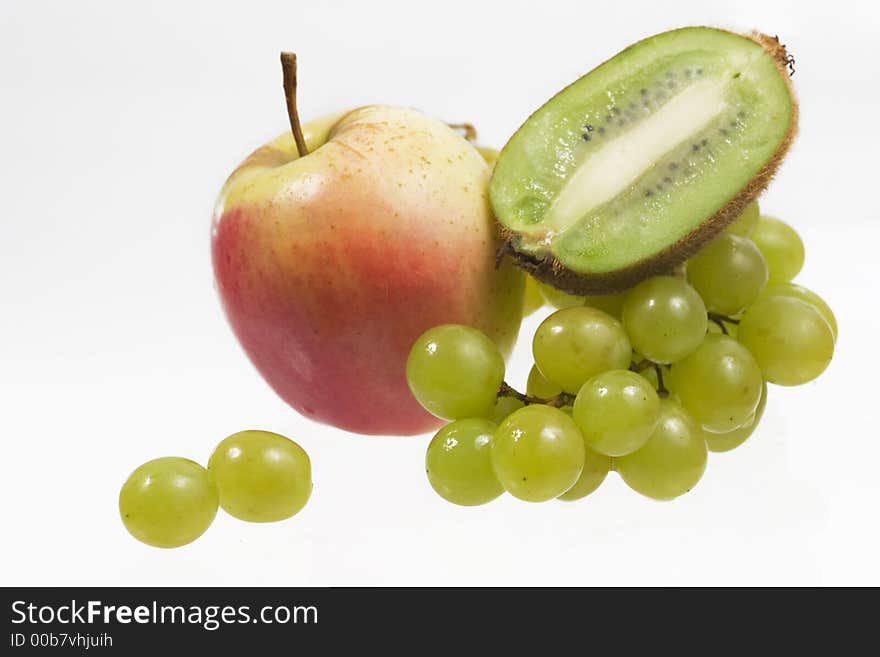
[721, 321]
[560, 400]
[288, 68]
[644, 364]
[566, 399]
[641, 365]
[662, 392]
[720, 324]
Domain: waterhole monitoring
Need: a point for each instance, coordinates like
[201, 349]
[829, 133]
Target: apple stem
[288, 67]
[470, 132]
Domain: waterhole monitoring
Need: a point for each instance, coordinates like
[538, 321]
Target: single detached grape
[538, 453]
[724, 442]
[504, 407]
[538, 386]
[459, 464]
[261, 476]
[573, 344]
[616, 412]
[782, 248]
[532, 297]
[455, 371]
[596, 467]
[168, 502]
[790, 339]
[665, 318]
[672, 461]
[729, 273]
[744, 225]
[719, 383]
[802, 293]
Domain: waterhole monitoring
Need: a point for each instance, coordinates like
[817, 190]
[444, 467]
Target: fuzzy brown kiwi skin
[548, 269]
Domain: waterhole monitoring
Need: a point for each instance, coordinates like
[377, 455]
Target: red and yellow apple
[329, 266]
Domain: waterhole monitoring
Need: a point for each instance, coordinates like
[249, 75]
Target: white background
[119, 123]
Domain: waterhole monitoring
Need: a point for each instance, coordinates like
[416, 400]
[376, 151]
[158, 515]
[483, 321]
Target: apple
[329, 265]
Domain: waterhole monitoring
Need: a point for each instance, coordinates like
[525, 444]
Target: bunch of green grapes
[257, 476]
[644, 382]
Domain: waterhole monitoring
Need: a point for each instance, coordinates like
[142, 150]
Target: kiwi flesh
[632, 168]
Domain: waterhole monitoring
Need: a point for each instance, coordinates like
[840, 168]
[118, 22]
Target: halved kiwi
[632, 168]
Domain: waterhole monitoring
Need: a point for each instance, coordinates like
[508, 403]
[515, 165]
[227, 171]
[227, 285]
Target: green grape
[573, 344]
[745, 224]
[646, 369]
[459, 463]
[719, 384]
[532, 297]
[636, 357]
[596, 467]
[261, 476]
[724, 442]
[558, 298]
[504, 407]
[665, 318]
[802, 293]
[538, 453]
[609, 303]
[455, 371]
[672, 461]
[168, 502]
[788, 337]
[649, 374]
[616, 412]
[729, 274]
[538, 386]
[782, 248]
[489, 154]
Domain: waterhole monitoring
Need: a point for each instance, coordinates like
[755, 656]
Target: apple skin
[331, 265]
